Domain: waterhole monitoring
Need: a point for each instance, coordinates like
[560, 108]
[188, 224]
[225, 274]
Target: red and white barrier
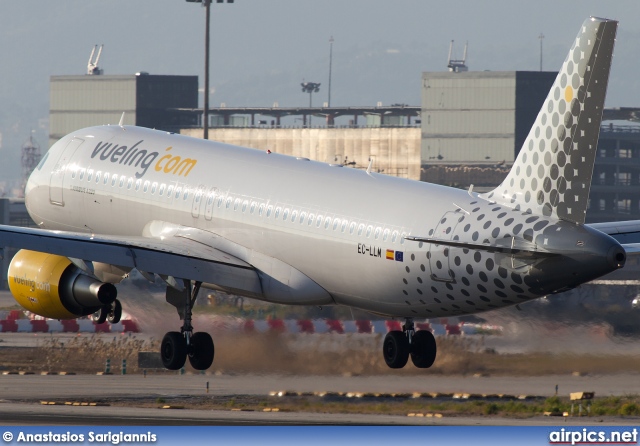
[15, 322]
[17, 325]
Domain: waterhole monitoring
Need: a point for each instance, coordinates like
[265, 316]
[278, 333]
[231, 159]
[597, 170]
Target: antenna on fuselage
[370, 164]
[121, 123]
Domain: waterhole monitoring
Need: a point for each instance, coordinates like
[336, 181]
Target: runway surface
[29, 387]
[20, 396]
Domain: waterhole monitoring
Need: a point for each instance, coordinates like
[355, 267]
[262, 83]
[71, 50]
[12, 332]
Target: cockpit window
[42, 161]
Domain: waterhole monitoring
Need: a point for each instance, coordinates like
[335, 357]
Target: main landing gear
[177, 346]
[399, 345]
[111, 313]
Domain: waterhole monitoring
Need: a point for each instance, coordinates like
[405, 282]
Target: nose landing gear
[111, 313]
[399, 345]
[176, 346]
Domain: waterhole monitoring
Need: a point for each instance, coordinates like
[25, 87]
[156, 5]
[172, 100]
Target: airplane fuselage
[343, 228]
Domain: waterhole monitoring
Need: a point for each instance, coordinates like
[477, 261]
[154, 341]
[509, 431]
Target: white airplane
[197, 213]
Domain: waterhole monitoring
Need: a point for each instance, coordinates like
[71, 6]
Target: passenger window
[145, 188]
[294, 215]
[269, 210]
[319, 221]
[229, 200]
[220, 200]
[336, 222]
[98, 177]
[178, 192]
[236, 204]
[129, 183]
[114, 180]
[245, 203]
[277, 214]
[210, 200]
[344, 225]
[169, 191]
[352, 227]
[377, 233]
[394, 236]
[385, 235]
[360, 229]
[369, 229]
[73, 174]
[161, 191]
[138, 183]
[311, 218]
[89, 174]
[327, 223]
[261, 209]
[81, 173]
[285, 214]
[106, 178]
[303, 215]
[253, 207]
[186, 194]
[122, 178]
[402, 238]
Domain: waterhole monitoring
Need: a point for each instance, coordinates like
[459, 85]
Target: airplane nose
[617, 256]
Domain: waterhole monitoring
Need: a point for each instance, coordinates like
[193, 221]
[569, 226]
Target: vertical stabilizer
[552, 174]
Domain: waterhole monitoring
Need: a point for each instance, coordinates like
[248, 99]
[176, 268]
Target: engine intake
[51, 286]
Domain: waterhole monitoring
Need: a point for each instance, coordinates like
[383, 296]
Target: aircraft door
[210, 199]
[439, 254]
[197, 202]
[56, 182]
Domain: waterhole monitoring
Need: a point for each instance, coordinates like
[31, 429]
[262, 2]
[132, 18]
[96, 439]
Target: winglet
[552, 174]
[370, 164]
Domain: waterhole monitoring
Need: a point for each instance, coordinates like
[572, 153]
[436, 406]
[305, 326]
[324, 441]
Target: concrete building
[479, 117]
[615, 188]
[392, 150]
[147, 100]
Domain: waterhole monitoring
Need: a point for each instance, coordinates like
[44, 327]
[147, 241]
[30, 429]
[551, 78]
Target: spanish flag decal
[390, 255]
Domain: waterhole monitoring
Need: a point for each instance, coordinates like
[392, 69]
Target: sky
[262, 49]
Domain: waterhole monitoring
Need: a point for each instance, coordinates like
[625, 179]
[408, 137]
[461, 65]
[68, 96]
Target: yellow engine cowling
[53, 287]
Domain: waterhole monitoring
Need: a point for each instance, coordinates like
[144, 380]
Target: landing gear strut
[177, 346]
[399, 345]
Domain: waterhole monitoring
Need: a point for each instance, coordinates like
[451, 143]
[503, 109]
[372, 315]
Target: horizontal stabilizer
[514, 246]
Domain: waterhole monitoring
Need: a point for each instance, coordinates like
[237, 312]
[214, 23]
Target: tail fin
[552, 174]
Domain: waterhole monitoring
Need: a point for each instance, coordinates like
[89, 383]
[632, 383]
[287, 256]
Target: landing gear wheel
[100, 316]
[423, 349]
[395, 349]
[115, 312]
[201, 351]
[173, 350]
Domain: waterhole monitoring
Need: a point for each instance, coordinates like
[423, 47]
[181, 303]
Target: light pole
[330, 66]
[310, 87]
[207, 14]
[541, 37]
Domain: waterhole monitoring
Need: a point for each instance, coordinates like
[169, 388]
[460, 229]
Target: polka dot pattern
[552, 174]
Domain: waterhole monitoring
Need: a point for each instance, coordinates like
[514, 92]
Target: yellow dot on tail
[568, 94]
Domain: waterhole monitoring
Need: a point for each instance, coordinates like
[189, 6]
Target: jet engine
[53, 287]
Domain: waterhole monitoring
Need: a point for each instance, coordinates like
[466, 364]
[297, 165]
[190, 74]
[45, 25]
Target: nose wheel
[398, 346]
[176, 346]
[111, 313]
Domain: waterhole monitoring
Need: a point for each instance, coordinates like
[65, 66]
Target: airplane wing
[627, 233]
[171, 256]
